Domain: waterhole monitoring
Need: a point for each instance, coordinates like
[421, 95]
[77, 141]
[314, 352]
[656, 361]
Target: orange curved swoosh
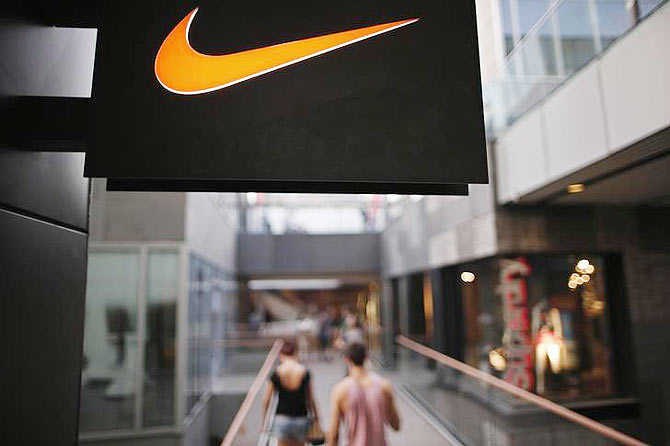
[181, 69]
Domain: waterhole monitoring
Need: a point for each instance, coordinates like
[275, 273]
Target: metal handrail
[525, 395]
[249, 399]
[251, 343]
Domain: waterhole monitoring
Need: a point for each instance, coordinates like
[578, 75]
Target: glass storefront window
[211, 305]
[483, 317]
[108, 384]
[200, 328]
[541, 323]
[569, 327]
[160, 339]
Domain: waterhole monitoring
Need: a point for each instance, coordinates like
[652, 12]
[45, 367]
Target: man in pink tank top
[365, 401]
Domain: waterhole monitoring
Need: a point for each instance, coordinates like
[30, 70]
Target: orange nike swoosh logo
[181, 69]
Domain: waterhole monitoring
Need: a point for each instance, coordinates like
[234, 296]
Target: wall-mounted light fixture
[576, 188]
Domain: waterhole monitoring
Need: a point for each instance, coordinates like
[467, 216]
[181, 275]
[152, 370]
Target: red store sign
[516, 337]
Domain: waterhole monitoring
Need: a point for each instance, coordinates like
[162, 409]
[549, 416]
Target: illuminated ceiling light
[252, 198]
[576, 188]
[294, 284]
[579, 281]
[468, 277]
[572, 285]
[583, 264]
[585, 277]
[590, 269]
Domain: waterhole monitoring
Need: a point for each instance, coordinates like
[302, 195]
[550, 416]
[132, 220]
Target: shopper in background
[296, 407]
[364, 401]
[353, 332]
[326, 320]
[306, 330]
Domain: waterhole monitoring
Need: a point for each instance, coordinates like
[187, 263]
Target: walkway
[415, 430]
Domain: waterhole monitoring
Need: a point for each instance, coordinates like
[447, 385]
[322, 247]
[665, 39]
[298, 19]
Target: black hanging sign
[380, 93]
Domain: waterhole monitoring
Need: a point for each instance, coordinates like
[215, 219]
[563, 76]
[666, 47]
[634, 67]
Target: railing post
[633, 8]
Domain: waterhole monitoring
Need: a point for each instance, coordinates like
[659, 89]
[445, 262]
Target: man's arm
[266, 403]
[391, 412]
[335, 416]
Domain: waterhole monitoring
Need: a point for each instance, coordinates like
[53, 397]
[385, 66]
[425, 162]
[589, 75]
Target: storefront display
[541, 323]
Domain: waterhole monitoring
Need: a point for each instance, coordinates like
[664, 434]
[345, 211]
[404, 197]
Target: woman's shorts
[290, 428]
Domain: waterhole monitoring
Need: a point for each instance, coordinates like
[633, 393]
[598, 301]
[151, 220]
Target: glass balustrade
[567, 37]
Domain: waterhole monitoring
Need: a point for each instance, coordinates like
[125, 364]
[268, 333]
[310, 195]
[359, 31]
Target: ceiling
[644, 184]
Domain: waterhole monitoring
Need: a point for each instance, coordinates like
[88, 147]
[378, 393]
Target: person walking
[364, 401]
[325, 333]
[295, 399]
[305, 328]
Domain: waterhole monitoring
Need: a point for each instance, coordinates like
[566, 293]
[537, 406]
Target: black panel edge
[195, 185]
[62, 13]
[41, 218]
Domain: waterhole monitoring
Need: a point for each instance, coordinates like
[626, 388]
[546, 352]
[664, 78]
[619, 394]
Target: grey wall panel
[440, 316]
[261, 254]
[37, 60]
[635, 85]
[155, 439]
[388, 317]
[404, 292]
[42, 289]
[440, 231]
[196, 433]
[210, 228]
[45, 184]
[136, 216]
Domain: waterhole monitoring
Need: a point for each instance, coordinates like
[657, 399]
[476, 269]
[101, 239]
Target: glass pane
[476, 412]
[507, 28]
[160, 345]
[539, 56]
[576, 34]
[647, 6]
[192, 395]
[203, 314]
[613, 20]
[530, 11]
[108, 383]
[539, 73]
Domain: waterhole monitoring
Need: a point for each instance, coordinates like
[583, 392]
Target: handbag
[315, 434]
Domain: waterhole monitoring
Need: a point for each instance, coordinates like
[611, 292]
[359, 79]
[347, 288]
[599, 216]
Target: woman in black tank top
[291, 402]
[295, 400]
